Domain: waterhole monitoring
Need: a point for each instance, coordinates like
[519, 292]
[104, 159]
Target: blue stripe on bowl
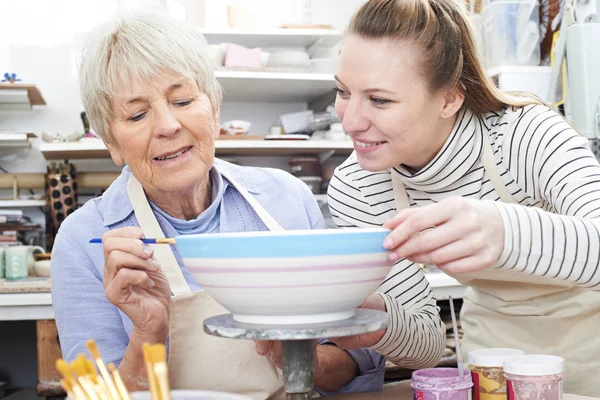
[320, 242]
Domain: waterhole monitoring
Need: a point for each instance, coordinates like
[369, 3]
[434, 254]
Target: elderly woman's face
[165, 132]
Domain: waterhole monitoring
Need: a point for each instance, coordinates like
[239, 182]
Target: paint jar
[534, 377]
[441, 384]
[487, 372]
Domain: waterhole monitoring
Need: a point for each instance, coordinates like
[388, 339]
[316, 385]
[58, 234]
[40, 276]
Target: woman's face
[386, 107]
[165, 132]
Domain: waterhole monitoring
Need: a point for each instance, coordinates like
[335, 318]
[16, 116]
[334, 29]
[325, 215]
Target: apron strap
[489, 165]
[163, 254]
[266, 218]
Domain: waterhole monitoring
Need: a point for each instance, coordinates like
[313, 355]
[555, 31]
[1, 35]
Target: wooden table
[403, 391]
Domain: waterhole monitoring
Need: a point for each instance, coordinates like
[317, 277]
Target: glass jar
[534, 377]
[441, 384]
[487, 372]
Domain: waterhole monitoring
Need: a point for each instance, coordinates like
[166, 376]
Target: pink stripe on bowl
[325, 267]
[308, 285]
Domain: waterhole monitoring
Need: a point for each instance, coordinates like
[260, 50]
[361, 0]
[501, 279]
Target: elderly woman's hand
[373, 302]
[135, 283]
[465, 236]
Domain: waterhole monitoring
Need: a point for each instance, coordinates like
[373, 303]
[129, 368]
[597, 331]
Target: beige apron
[197, 360]
[535, 314]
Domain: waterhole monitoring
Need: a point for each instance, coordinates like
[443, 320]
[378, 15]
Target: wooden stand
[48, 351]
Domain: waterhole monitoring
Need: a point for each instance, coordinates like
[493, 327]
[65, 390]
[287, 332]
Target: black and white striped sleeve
[416, 335]
[555, 166]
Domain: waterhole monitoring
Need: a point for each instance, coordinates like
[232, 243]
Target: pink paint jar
[441, 384]
[534, 377]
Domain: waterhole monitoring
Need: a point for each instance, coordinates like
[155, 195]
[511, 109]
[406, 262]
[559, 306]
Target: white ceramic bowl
[324, 65]
[289, 59]
[237, 127]
[42, 268]
[193, 395]
[289, 277]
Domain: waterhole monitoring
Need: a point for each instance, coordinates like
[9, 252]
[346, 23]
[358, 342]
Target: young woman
[497, 190]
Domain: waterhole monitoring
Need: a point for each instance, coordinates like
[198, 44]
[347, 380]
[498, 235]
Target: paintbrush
[91, 370]
[71, 383]
[459, 360]
[144, 240]
[152, 383]
[95, 353]
[68, 388]
[159, 358]
[120, 385]
[79, 369]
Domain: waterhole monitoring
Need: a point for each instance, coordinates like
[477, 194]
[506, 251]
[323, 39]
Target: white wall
[39, 40]
[40, 46]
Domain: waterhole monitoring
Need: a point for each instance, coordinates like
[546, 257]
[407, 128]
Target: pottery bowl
[193, 395]
[289, 277]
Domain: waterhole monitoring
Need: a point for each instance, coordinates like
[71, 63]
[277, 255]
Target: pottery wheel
[297, 351]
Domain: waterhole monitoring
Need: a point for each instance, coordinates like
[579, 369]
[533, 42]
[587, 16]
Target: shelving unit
[25, 306]
[276, 37]
[22, 203]
[88, 149]
[19, 96]
[15, 139]
[274, 86]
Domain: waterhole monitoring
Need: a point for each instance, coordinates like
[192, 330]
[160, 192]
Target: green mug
[19, 261]
[2, 261]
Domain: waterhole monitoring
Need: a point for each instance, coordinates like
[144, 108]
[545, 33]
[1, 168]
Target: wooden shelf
[276, 37]
[274, 87]
[10, 140]
[18, 94]
[281, 147]
[95, 148]
[22, 203]
[84, 149]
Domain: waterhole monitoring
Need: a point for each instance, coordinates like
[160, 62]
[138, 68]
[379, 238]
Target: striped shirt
[553, 231]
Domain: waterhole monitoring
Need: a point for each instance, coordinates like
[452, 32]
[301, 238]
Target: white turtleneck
[553, 231]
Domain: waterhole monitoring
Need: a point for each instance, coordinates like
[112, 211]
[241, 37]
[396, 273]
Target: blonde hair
[442, 30]
[140, 45]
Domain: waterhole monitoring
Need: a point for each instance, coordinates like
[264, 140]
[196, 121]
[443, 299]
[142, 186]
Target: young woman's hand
[457, 235]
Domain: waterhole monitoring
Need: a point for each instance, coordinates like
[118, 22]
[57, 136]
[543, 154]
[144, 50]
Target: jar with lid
[534, 377]
[441, 384]
[487, 372]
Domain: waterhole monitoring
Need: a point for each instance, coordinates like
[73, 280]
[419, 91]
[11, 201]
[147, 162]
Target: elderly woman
[151, 95]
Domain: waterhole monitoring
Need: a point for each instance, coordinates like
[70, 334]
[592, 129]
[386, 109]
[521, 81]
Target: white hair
[141, 45]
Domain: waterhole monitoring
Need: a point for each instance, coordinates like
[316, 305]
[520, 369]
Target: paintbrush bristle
[79, 369]
[146, 352]
[159, 353]
[91, 369]
[93, 349]
[63, 368]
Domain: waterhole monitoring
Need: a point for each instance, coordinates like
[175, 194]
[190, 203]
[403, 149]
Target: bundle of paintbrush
[84, 379]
